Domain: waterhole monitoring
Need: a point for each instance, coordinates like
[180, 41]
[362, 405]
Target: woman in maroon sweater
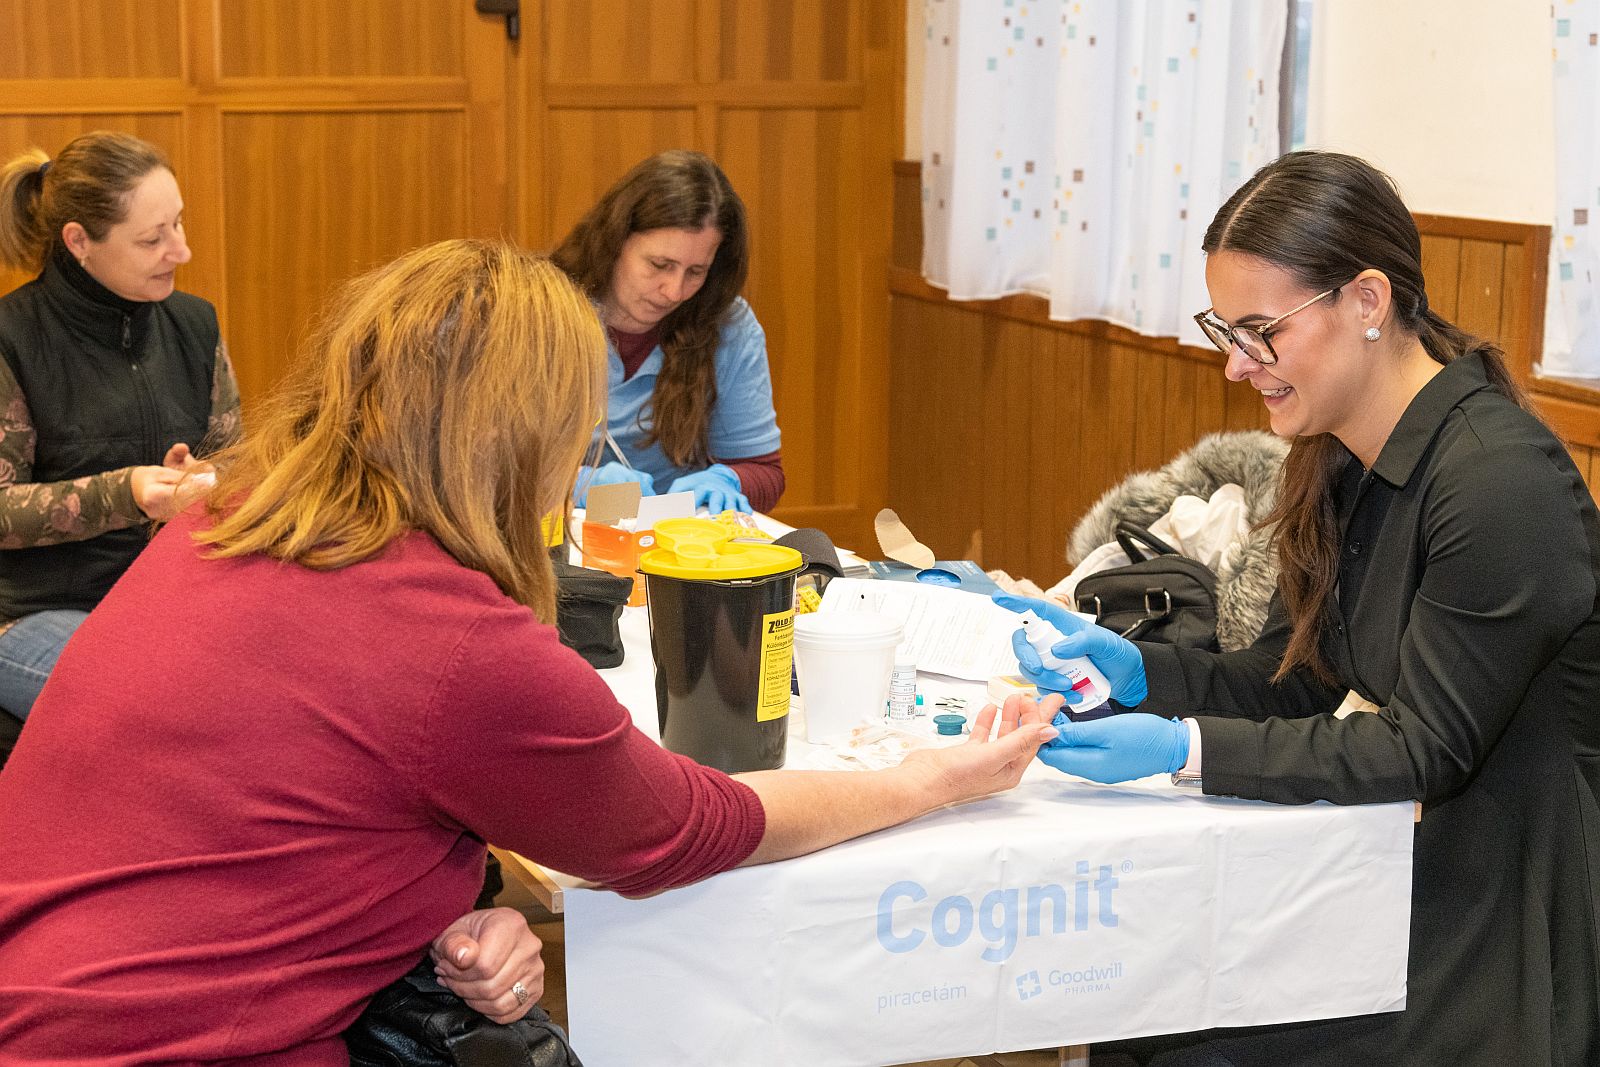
[261, 776]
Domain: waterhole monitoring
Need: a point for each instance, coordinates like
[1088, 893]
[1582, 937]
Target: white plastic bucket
[844, 660]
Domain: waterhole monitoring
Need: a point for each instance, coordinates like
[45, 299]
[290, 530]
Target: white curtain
[1079, 149]
[1572, 320]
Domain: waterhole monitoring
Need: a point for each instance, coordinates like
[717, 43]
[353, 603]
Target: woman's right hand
[982, 766]
[490, 959]
[1116, 657]
[155, 491]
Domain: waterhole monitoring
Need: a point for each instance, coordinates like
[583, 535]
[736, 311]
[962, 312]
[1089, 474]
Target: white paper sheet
[950, 632]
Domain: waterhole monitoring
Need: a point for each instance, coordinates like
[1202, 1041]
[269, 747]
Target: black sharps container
[722, 634]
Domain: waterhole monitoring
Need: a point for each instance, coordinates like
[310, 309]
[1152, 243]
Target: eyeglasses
[1253, 341]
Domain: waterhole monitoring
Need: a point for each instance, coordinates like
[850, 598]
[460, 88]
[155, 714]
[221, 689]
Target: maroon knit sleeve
[760, 478]
[527, 748]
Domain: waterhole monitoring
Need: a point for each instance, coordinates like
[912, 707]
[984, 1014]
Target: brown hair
[682, 190]
[1325, 217]
[452, 391]
[89, 183]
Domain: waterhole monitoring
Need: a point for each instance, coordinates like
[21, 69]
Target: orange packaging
[607, 548]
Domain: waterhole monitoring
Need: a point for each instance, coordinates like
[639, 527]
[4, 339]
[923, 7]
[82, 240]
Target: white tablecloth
[1062, 912]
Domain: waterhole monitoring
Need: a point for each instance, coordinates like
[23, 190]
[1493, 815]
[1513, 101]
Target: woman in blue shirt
[665, 252]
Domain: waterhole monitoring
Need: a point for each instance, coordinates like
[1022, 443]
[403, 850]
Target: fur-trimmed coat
[1248, 572]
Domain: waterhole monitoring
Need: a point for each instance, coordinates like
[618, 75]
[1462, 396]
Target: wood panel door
[312, 140]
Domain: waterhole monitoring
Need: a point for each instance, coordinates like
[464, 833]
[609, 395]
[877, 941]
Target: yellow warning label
[777, 660]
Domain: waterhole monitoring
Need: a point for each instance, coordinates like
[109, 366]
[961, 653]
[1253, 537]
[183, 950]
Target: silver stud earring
[1373, 333]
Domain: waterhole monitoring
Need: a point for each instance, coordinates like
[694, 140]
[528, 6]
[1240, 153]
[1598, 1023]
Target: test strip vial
[903, 686]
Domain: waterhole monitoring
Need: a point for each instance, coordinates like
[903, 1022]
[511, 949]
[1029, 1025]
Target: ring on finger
[521, 992]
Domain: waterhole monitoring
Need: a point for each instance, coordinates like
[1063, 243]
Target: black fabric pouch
[416, 1022]
[588, 605]
[1161, 596]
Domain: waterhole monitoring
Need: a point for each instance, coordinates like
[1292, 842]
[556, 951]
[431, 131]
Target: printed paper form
[950, 632]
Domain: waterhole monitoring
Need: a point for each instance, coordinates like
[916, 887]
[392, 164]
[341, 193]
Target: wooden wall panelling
[1480, 280]
[1008, 364]
[1149, 412]
[311, 140]
[907, 249]
[1441, 270]
[789, 40]
[317, 197]
[1180, 402]
[797, 173]
[1489, 277]
[91, 39]
[936, 432]
[1062, 490]
[350, 39]
[587, 149]
[622, 42]
[1516, 328]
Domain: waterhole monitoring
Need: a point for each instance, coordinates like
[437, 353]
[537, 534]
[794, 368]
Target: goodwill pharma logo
[1001, 919]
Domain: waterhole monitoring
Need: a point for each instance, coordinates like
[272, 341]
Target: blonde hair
[88, 183]
[452, 391]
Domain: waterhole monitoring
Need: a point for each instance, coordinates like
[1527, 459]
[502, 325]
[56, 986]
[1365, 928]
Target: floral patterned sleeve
[50, 513]
[222, 429]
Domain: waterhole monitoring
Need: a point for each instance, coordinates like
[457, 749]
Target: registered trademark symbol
[1127, 865]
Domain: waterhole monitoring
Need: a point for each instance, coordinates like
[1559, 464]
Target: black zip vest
[109, 383]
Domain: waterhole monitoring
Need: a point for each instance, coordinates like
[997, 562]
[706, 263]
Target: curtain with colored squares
[1079, 149]
[1572, 319]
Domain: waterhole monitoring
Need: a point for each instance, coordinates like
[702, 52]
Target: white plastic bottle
[903, 686]
[1087, 681]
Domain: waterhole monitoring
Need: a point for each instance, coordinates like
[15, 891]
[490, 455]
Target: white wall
[1451, 97]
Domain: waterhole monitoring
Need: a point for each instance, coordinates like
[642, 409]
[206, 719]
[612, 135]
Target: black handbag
[588, 605]
[1162, 595]
[416, 1022]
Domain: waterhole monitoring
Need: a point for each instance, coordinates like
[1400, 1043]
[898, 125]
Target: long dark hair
[1326, 217]
[682, 190]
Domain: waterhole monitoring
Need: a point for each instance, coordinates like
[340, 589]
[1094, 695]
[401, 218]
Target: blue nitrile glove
[1118, 748]
[610, 474]
[716, 489]
[1118, 659]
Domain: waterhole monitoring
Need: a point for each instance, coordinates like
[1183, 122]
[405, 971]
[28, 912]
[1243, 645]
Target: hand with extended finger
[1119, 748]
[1116, 658]
[490, 959]
[983, 765]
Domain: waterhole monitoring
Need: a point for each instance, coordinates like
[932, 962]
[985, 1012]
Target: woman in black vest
[111, 385]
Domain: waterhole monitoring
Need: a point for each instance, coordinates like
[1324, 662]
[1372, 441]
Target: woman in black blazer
[1439, 556]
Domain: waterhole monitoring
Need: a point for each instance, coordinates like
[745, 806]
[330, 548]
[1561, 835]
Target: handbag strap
[1153, 613]
[1130, 535]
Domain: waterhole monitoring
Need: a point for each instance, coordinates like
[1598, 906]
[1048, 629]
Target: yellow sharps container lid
[701, 549]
